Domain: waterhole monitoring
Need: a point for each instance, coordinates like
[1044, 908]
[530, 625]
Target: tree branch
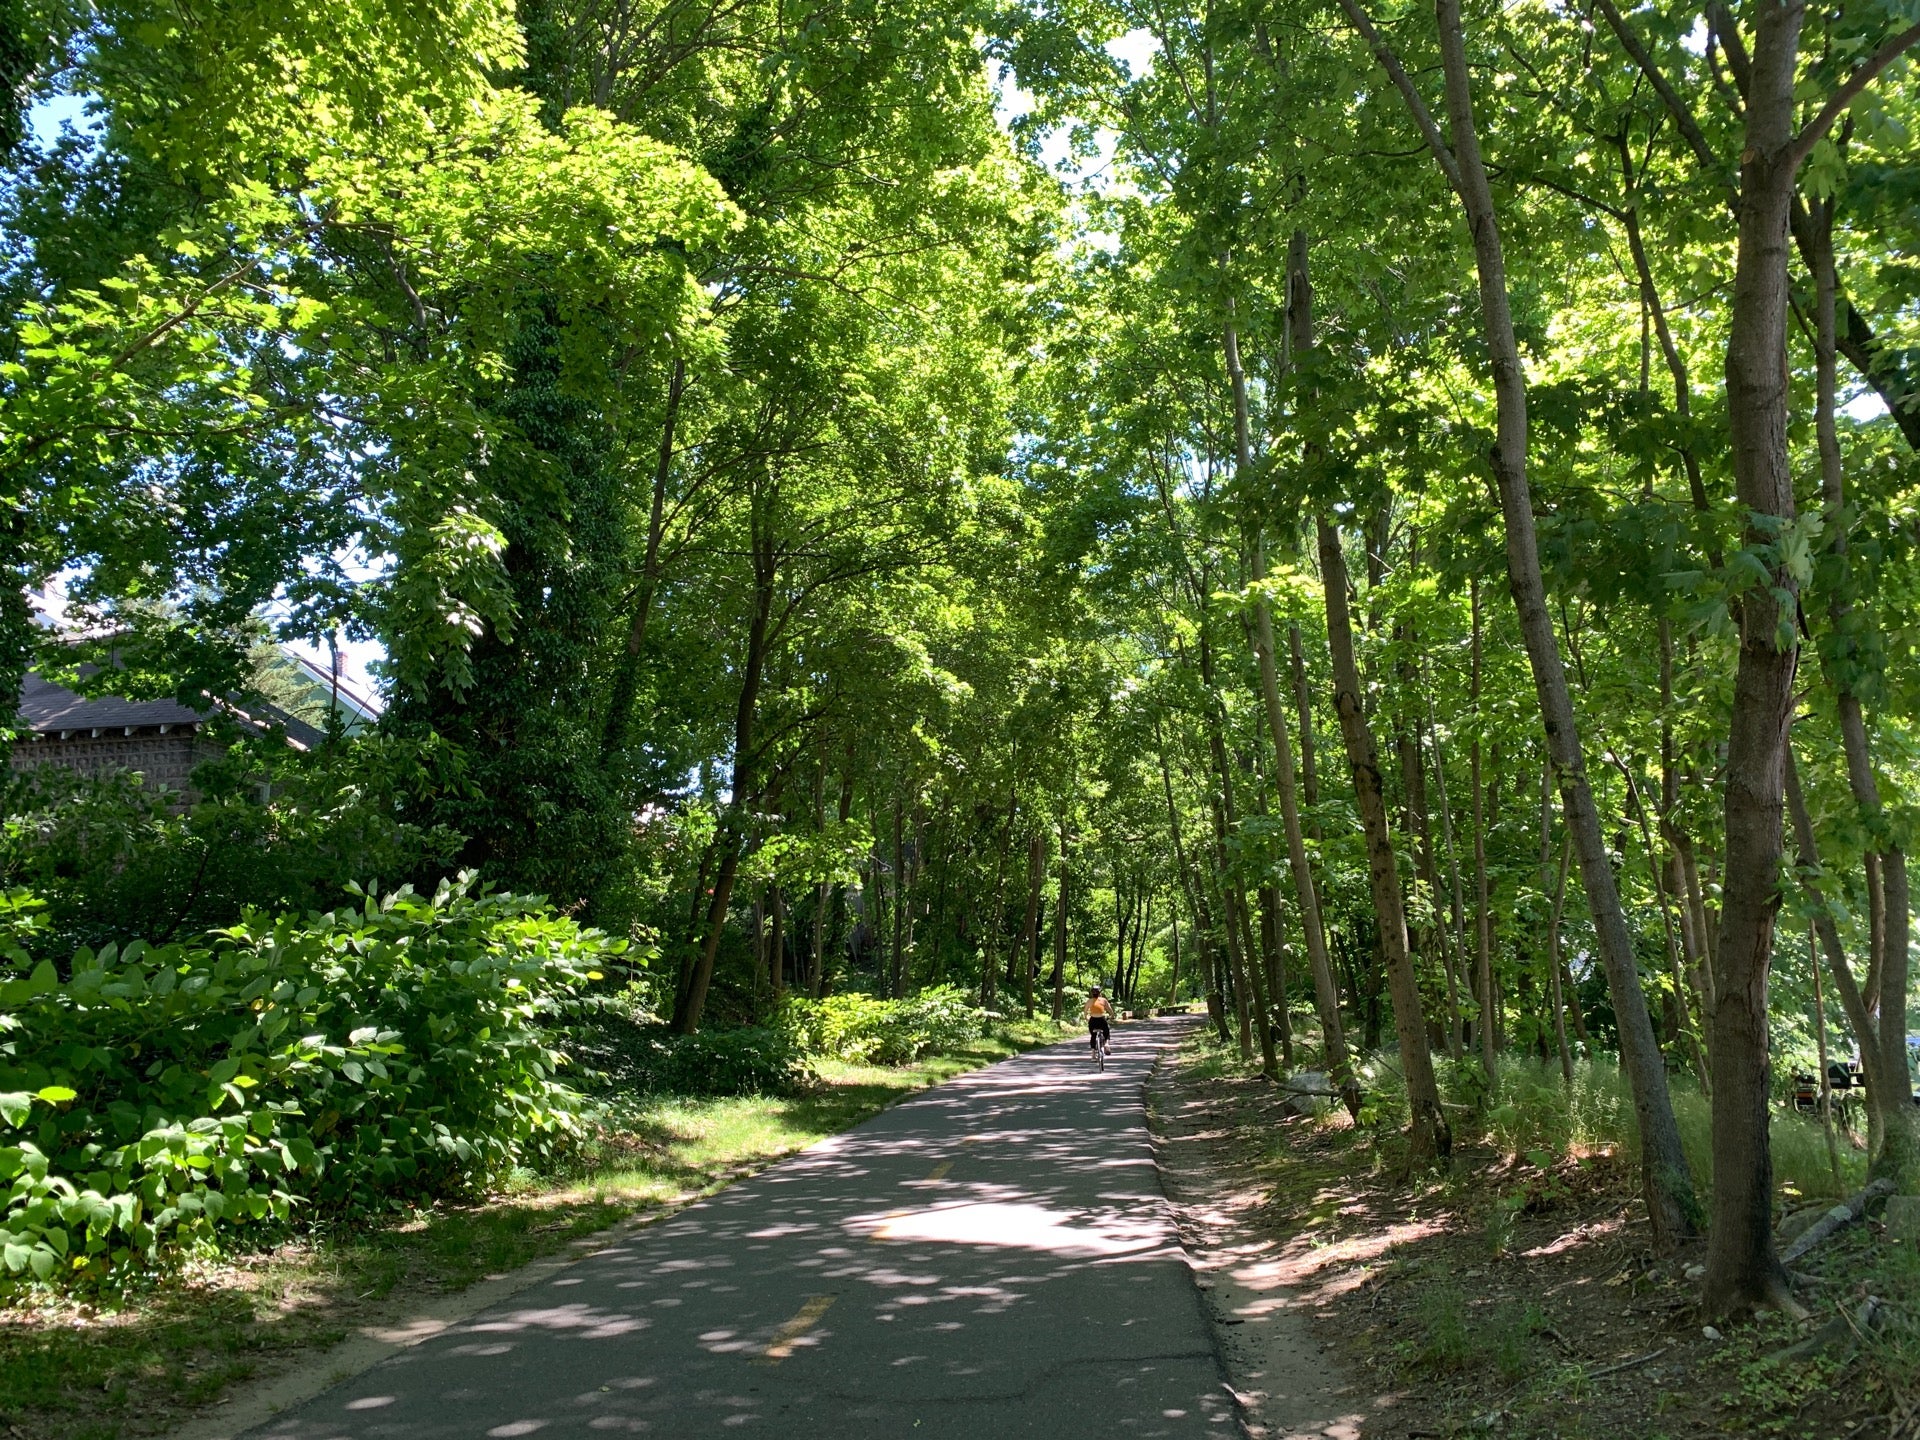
[1390, 62]
[1815, 129]
[1690, 131]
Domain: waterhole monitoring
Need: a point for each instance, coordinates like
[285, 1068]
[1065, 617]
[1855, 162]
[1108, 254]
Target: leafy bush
[271, 827]
[150, 1096]
[623, 1047]
[866, 1031]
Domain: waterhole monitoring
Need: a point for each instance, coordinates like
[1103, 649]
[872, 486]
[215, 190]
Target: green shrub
[271, 828]
[639, 1056]
[866, 1031]
[150, 1096]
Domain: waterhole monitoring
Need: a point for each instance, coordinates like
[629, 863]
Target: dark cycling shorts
[1098, 1025]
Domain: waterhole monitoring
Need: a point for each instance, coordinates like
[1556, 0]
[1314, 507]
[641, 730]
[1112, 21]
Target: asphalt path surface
[991, 1257]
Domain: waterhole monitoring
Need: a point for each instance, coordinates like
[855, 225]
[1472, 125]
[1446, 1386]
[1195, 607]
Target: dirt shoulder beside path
[1264, 1293]
[1511, 1296]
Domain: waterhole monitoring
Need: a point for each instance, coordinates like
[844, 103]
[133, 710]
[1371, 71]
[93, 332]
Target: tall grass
[1532, 1112]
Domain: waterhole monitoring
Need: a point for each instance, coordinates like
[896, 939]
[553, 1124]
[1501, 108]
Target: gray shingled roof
[48, 709]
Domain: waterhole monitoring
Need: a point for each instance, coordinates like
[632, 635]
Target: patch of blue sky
[48, 116]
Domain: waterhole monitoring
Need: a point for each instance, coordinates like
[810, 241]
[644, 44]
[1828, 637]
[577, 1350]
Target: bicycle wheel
[1099, 1056]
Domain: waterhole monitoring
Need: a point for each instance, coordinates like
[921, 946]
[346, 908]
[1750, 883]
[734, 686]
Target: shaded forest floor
[1512, 1298]
[180, 1347]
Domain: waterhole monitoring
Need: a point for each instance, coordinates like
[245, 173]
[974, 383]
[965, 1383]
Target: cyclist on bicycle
[1099, 1019]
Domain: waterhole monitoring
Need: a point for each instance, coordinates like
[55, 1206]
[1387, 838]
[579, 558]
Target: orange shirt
[1097, 1008]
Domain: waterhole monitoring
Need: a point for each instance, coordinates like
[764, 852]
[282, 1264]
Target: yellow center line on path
[784, 1338]
[939, 1171]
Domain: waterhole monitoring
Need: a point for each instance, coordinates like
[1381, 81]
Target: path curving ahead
[992, 1257]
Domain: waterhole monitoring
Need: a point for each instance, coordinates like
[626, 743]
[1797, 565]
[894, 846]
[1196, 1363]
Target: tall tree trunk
[817, 981]
[1306, 894]
[1893, 1123]
[1430, 1135]
[759, 949]
[1483, 901]
[1413, 780]
[1224, 823]
[1060, 924]
[1897, 1157]
[1743, 1268]
[692, 999]
[1687, 1032]
[990, 950]
[822, 893]
[1326, 994]
[1276, 970]
[1302, 689]
[1173, 977]
[1458, 905]
[1029, 932]
[625, 687]
[1181, 866]
[1254, 972]
[1665, 1176]
[1213, 968]
[896, 959]
[1693, 943]
[1554, 971]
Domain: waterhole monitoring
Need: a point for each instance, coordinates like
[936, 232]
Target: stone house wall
[161, 760]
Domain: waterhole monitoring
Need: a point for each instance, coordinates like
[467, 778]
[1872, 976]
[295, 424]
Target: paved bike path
[990, 1257]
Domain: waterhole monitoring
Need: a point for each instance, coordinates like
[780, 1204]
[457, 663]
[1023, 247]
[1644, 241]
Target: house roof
[47, 708]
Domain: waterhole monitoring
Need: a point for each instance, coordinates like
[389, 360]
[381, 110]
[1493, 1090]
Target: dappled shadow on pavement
[994, 1255]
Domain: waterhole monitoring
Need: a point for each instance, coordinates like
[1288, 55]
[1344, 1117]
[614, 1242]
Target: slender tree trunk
[1060, 925]
[1224, 823]
[1693, 943]
[1743, 1268]
[1413, 785]
[1898, 1155]
[1458, 908]
[1893, 1124]
[1029, 932]
[615, 734]
[1483, 902]
[777, 947]
[1666, 1178]
[1302, 689]
[1676, 967]
[1276, 971]
[1326, 994]
[1180, 864]
[822, 892]
[990, 951]
[759, 949]
[1173, 978]
[1254, 973]
[1554, 964]
[896, 960]
[692, 998]
[1430, 1136]
[817, 981]
[1826, 1080]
